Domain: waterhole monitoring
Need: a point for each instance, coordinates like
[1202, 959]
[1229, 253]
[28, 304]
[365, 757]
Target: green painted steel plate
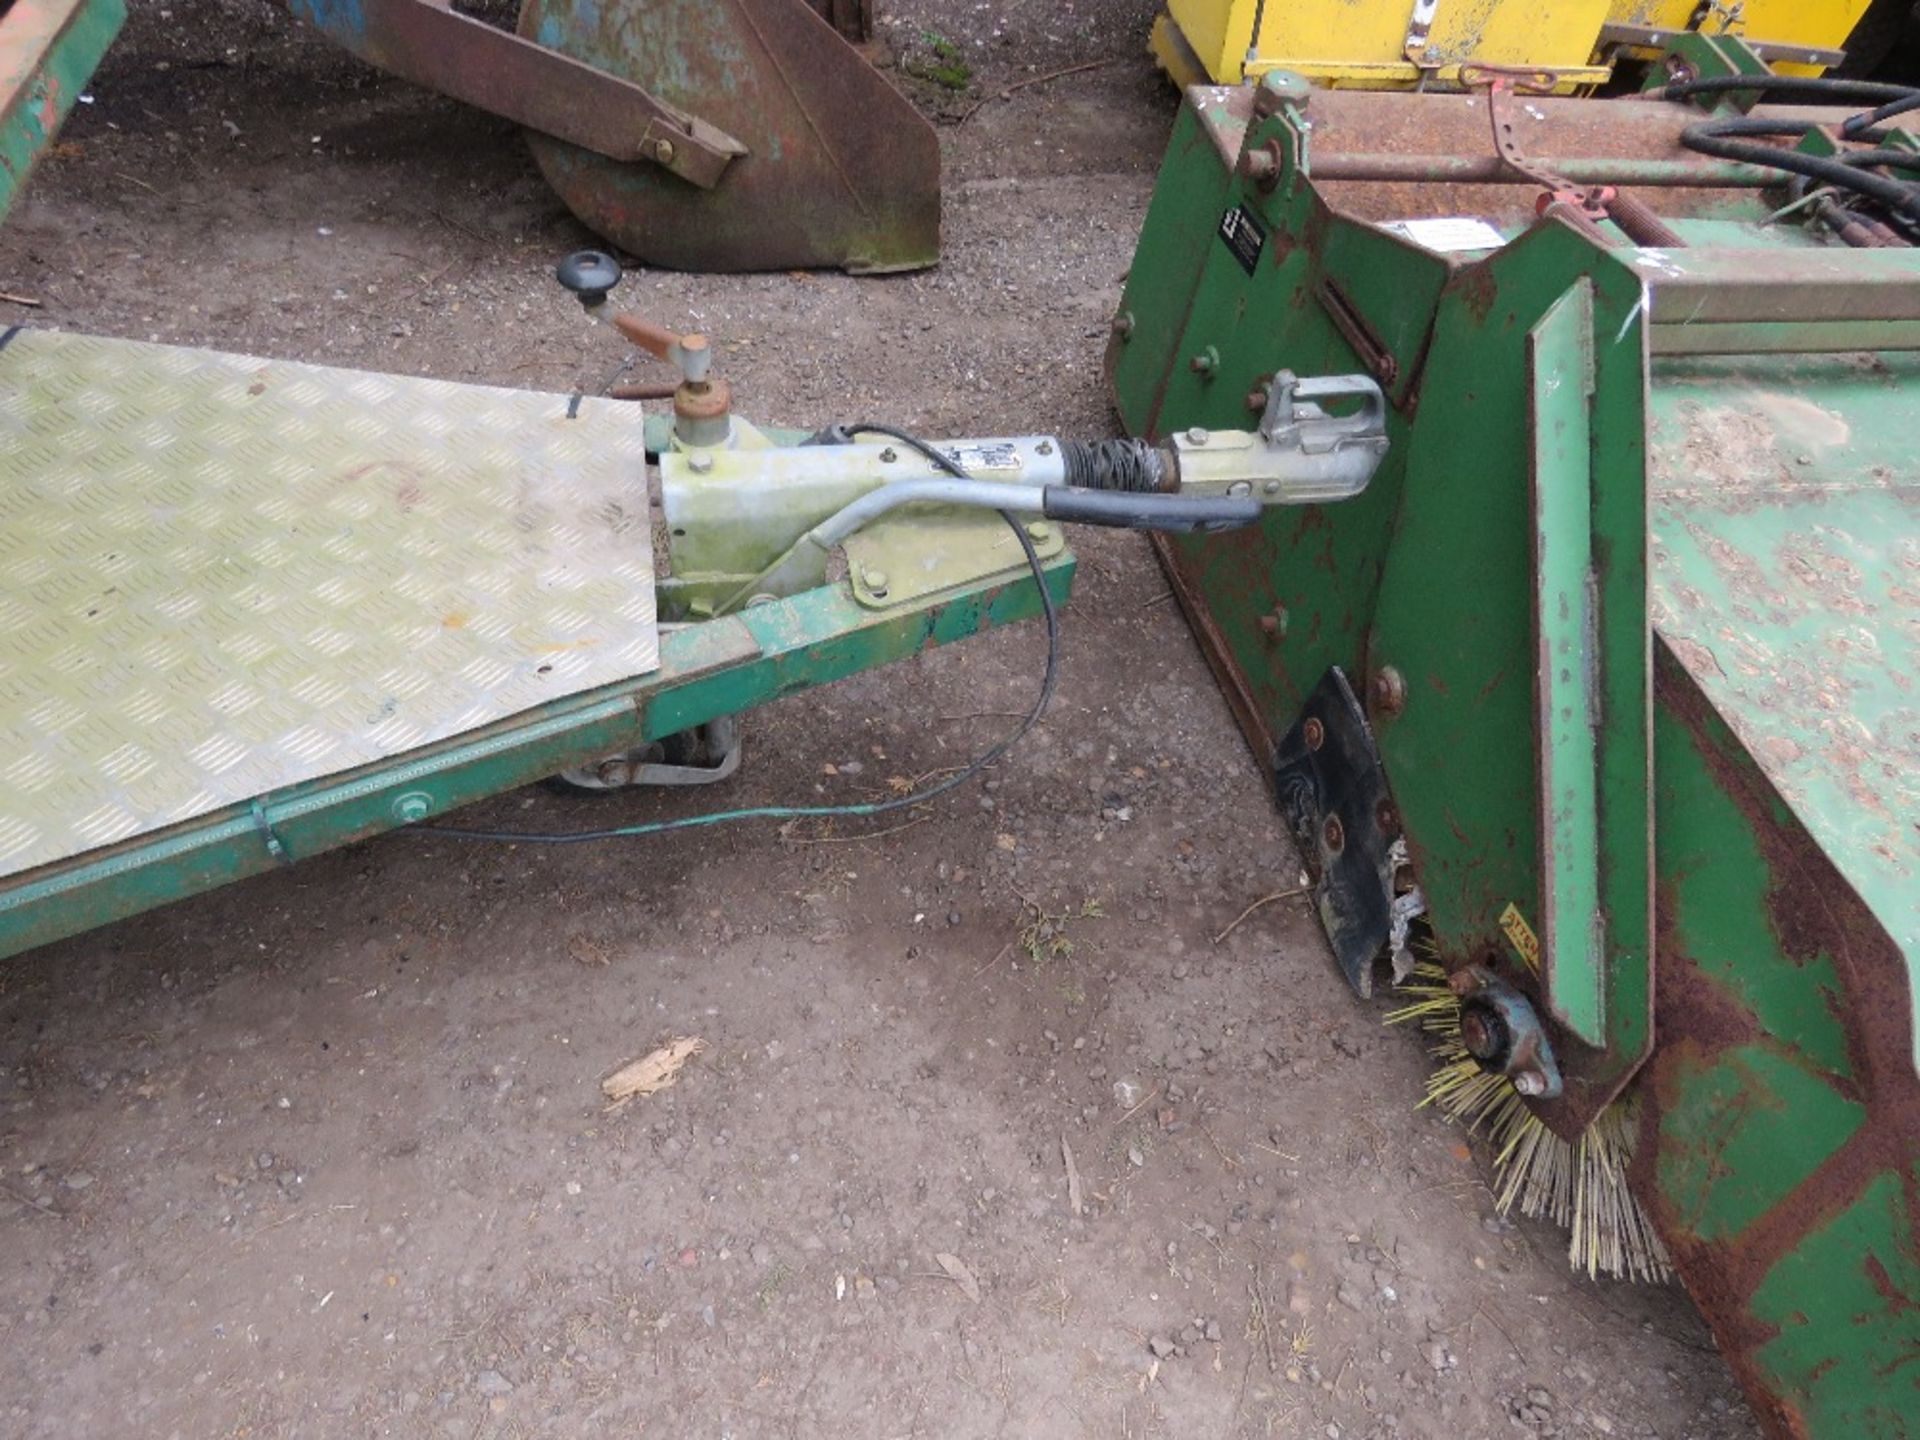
[1786, 525]
[223, 576]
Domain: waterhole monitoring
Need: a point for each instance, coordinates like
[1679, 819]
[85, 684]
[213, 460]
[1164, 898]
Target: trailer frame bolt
[1334, 833]
[663, 151]
[1314, 733]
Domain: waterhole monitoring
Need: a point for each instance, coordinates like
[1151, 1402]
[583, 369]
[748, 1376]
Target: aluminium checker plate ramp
[223, 576]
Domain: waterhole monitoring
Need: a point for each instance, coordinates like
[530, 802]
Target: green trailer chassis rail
[1631, 610]
[707, 670]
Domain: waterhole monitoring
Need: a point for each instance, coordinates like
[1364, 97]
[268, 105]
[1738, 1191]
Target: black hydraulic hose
[1718, 138]
[1806, 87]
[1855, 127]
[1898, 159]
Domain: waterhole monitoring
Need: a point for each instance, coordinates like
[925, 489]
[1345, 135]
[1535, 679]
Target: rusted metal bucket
[839, 170]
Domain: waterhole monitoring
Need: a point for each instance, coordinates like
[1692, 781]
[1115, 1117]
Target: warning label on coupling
[1246, 237]
[975, 458]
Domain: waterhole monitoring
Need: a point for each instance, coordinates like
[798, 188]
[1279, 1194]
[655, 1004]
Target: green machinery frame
[1631, 609]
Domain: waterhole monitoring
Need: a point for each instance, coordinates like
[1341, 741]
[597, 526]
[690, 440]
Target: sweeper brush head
[1581, 1186]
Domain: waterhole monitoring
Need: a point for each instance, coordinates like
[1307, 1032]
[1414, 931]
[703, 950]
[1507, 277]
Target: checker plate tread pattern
[222, 576]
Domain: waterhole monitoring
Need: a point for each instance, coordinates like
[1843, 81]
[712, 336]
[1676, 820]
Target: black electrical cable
[914, 442]
[1049, 681]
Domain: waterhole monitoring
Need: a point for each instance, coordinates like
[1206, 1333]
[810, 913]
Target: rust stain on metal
[1219, 655]
[1814, 913]
[841, 170]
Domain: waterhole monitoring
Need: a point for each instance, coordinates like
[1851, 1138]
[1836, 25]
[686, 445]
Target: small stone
[77, 1180]
[1213, 1331]
[1348, 1296]
[689, 1258]
[1127, 1093]
[1161, 1347]
[1181, 970]
[492, 1382]
[263, 1161]
[762, 1254]
[1134, 1157]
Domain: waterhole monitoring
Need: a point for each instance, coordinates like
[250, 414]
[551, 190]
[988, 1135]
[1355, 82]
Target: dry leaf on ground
[962, 1276]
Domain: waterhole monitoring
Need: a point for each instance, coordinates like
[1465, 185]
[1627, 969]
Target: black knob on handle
[589, 274]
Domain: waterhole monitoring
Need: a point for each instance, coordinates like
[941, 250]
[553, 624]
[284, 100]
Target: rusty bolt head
[1270, 627]
[1123, 324]
[1257, 399]
[1334, 833]
[1386, 817]
[1388, 690]
[663, 151]
[1258, 165]
[1530, 1082]
[1314, 732]
[615, 771]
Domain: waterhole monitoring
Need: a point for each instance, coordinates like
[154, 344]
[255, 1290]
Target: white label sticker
[975, 458]
[1448, 234]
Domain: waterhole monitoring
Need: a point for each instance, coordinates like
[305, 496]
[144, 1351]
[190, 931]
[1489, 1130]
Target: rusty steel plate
[222, 576]
[840, 171]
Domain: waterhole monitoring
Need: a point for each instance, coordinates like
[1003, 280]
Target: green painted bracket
[1691, 55]
[1577, 643]
[49, 49]
[721, 667]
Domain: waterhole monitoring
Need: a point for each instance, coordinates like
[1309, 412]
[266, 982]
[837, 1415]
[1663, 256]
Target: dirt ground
[323, 1153]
